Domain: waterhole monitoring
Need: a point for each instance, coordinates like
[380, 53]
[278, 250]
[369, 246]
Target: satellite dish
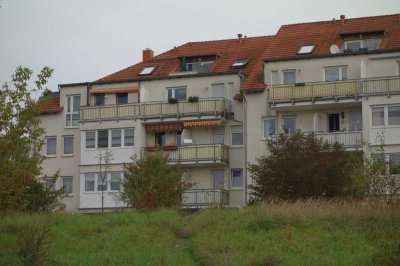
[334, 49]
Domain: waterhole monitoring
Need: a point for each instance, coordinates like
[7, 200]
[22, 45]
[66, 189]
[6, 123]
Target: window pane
[68, 104]
[344, 73]
[394, 163]
[116, 138]
[68, 120]
[68, 145]
[129, 137]
[75, 120]
[115, 182]
[218, 179]
[332, 74]
[269, 127]
[90, 139]
[237, 135]
[356, 121]
[372, 44]
[218, 90]
[122, 98]
[274, 77]
[67, 184]
[51, 146]
[354, 45]
[218, 138]
[102, 139]
[159, 138]
[170, 93]
[99, 99]
[237, 178]
[378, 116]
[394, 115]
[50, 184]
[289, 123]
[180, 94]
[102, 182]
[77, 103]
[289, 77]
[89, 182]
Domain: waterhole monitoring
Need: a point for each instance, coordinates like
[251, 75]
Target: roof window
[306, 49]
[147, 70]
[240, 62]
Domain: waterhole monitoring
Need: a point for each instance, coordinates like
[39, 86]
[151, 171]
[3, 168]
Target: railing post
[215, 107]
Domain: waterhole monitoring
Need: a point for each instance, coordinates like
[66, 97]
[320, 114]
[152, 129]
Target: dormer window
[197, 63]
[199, 67]
[240, 62]
[306, 49]
[147, 70]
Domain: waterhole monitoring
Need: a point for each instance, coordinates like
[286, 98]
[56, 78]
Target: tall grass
[300, 233]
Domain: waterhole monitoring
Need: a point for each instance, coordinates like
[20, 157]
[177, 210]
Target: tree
[21, 141]
[299, 167]
[150, 183]
[104, 165]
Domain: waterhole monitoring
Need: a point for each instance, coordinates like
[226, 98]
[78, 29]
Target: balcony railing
[349, 139]
[320, 91]
[157, 110]
[205, 197]
[208, 153]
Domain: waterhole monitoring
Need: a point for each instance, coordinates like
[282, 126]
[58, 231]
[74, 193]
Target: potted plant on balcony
[172, 100]
[193, 98]
[170, 147]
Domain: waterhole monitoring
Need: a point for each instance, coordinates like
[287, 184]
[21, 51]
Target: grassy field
[312, 233]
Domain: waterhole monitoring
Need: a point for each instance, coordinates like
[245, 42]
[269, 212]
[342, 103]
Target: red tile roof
[228, 52]
[52, 106]
[323, 34]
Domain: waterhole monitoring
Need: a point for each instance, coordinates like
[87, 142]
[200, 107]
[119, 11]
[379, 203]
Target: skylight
[306, 49]
[147, 70]
[240, 62]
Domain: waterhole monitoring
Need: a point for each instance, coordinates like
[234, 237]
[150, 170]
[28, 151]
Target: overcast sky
[84, 40]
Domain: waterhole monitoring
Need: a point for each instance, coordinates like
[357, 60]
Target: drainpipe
[244, 149]
[87, 93]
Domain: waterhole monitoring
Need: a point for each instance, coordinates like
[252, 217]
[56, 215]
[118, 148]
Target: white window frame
[96, 176]
[173, 89]
[120, 181]
[340, 72]
[289, 71]
[109, 143]
[270, 118]
[94, 182]
[306, 49]
[72, 184]
[241, 176]
[69, 110]
[385, 116]
[148, 70]
[63, 142]
[353, 41]
[47, 149]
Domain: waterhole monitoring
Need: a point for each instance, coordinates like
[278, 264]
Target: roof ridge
[232, 39]
[330, 21]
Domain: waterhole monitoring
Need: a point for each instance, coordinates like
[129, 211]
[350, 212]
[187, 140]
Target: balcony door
[333, 122]
[356, 121]
[218, 90]
[218, 178]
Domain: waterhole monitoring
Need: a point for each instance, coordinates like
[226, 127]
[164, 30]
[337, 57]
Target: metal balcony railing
[347, 138]
[320, 91]
[205, 197]
[157, 110]
[193, 153]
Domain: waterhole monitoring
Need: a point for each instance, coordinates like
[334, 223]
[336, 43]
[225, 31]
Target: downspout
[87, 93]
[245, 149]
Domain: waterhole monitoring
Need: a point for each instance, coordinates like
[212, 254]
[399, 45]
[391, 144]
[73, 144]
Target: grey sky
[84, 40]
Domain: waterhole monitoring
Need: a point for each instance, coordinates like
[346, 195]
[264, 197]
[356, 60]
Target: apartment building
[211, 105]
[184, 102]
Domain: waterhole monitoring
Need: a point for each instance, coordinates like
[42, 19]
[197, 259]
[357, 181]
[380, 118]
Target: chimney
[148, 54]
[342, 18]
[240, 37]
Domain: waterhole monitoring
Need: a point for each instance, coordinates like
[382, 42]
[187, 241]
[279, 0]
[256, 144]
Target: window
[367, 44]
[72, 114]
[218, 90]
[336, 73]
[353, 45]
[237, 178]
[89, 182]
[90, 139]
[102, 182]
[178, 138]
[102, 139]
[128, 137]
[68, 145]
[269, 127]
[50, 186]
[306, 49]
[147, 70]
[356, 121]
[67, 184]
[289, 124]
[274, 77]
[240, 62]
[179, 93]
[378, 116]
[122, 98]
[398, 68]
[289, 76]
[218, 135]
[115, 181]
[394, 115]
[394, 163]
[237, 135]
[116, 138]
[218, 179]
[159, 138]
[99, 99]
[51, 146]
[199, 67]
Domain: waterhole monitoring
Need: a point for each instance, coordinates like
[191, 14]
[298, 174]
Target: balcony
[197, 198]
[202, 108]
[349, 139]
[193, 154]
[320, 92]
